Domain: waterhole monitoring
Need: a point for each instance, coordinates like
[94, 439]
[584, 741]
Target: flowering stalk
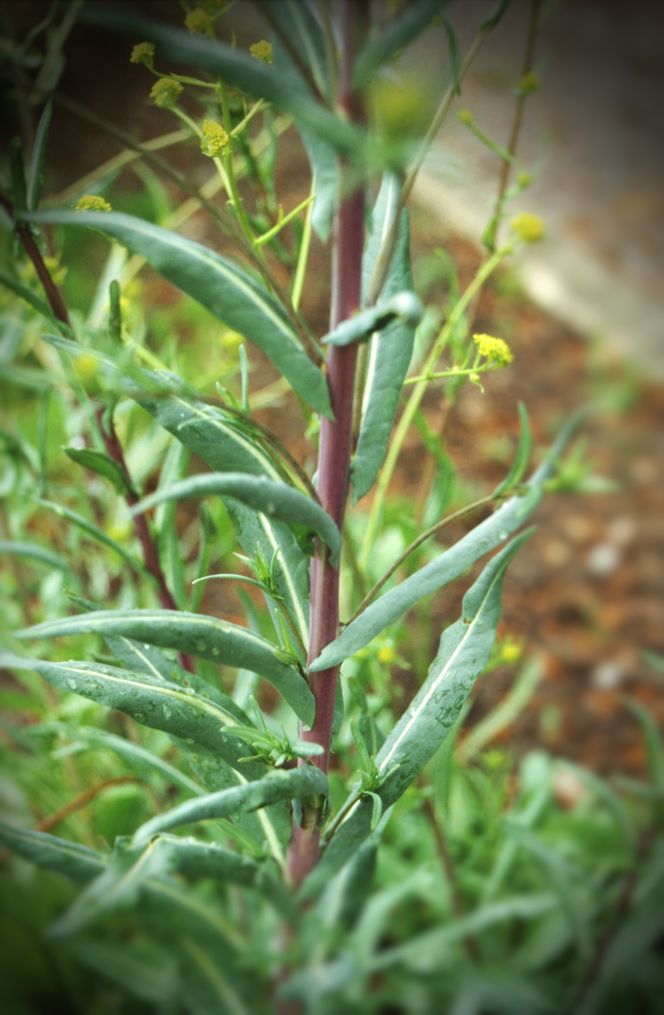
[333, 460]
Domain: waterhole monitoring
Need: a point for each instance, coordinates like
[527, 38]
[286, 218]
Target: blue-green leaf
[521, 456]
[276, 499]
[150, 701]
[407, 25]
[226, 445]
[292, 784]
[38, 157]
[389, 353]
[449, 565]
[197, 634]
[404, 306]
[33, 552]
[100, 463]
[26, 294]
[78, 863]
[462, 655]
[225, 289]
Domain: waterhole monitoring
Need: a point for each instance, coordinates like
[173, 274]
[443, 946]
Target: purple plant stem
[333, 461]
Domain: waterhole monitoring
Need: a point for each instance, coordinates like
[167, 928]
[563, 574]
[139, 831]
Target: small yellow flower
[215, 139]
[87, 368]
[119, 531]
[466, 117]
[510, 651]
[262, 50]
[199, 22]
[92, 202]
[495, 350]
[528, 227]
[386, 655]
[165, 92]
[143, 52]
[528, 84]
[231, 340]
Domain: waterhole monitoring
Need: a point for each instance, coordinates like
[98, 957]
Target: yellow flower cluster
[143, 52]
[199, 22]
[215, 139]
[92, 202]
[165, 92]
[262, 50]
[528, 227]
[495, 350]
[466, 117]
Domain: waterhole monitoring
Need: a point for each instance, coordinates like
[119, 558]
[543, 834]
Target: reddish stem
[107, 430]
[333, 460]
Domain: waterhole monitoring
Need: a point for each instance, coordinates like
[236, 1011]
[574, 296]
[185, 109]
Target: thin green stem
[303, 256]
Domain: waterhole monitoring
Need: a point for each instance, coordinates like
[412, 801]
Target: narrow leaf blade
[218, 284]
[389, 353]
[194, 633]
[449, 565]
[276, 499]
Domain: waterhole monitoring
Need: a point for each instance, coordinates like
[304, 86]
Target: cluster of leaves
[144, 737]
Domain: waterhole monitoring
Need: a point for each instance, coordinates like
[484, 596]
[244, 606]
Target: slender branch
[106, 428]
[227, 223]
[334, 456]
[53, 294]
[506, 166]
[461, 513]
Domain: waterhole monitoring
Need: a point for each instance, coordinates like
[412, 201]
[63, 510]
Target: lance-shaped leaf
[449, 565]
[239, 68]
[100, 463]
[225, 289]
[78, 863]
[130, 869]
[38, 157]
[226, 445]
[33, 552]
[521, 456]
[172, 904]
[276, 499]
[389, 353]
[462, 655]
[407, 25]
[293, 784]
[196, 634]
[404, 306]
[306, 38]
[139, 758]
[150, 701]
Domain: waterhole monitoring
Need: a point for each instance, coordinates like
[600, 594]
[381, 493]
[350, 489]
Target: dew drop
[71, 683]
[168, 712]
